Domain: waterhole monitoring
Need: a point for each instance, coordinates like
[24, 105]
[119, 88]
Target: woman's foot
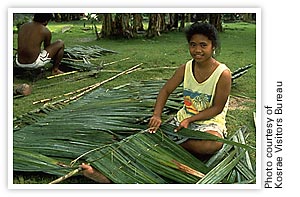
[89, 172]
[57, 72]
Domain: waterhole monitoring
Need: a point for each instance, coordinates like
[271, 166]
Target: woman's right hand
[154, 123]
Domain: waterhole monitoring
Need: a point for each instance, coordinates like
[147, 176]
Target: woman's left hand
[184, 124]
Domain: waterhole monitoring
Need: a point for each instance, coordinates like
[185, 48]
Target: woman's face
[201, 48]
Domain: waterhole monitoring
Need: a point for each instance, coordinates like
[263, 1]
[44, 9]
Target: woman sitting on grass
[206, 83]
[206, 89]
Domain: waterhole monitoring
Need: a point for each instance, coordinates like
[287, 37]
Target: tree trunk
[188, 17]
[96, 32]
[173, 21]
[57, 17]
[247, 17]
[157, 24]
[216, 20]
[122, 28]
[182, 22]
[162, 27]
[107, 26]
[117, 28]
[200, 17]
[137, 23]
[153, 27]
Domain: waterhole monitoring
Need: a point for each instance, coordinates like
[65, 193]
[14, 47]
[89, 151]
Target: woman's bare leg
[203, 147]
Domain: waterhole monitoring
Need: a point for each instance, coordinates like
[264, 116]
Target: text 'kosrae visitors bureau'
[273, 148]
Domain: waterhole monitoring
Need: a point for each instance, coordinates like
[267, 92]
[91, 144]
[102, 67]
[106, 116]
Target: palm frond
[106, 128]
[78, 57]
[35, 162]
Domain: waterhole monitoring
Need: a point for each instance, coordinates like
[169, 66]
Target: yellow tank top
[200, 96]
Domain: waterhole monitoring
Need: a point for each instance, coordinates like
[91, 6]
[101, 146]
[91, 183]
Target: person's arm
[47, 37]
[223, 89]
[166, 90]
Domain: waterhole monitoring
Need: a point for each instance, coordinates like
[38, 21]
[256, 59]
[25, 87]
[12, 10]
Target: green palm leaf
[106, 128]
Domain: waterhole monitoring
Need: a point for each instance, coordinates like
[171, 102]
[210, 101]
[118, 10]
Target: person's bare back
[31, 36]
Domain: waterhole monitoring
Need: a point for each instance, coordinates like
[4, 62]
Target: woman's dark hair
[205, 29]
[42, 17]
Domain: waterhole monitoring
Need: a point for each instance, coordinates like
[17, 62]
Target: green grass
[168, 50]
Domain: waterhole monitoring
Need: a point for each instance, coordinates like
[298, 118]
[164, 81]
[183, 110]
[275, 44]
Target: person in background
[31, 37]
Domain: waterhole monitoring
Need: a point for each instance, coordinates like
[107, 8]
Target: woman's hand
[154, 123]
[184, 124]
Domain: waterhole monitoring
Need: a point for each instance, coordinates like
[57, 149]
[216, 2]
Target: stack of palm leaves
[79, 52]
[58, 102]
[107, 128]
[154, 158]
[101, 115]
[78, 57]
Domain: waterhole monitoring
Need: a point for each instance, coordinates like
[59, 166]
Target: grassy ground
[168, 50]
